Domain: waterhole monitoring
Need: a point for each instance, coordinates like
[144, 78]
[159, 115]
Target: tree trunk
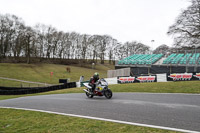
[102, 58]
[28, 50]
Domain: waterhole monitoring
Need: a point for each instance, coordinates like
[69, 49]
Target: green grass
[160, 87]
[41, 72]
[19, 121]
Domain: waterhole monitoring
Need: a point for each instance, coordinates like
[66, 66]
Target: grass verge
[160, 87]
[20, 121]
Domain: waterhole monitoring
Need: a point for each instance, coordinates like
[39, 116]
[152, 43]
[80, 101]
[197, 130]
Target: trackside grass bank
[41, 72]
[20, 121]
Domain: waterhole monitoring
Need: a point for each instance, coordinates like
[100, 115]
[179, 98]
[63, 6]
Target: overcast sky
[124, 20]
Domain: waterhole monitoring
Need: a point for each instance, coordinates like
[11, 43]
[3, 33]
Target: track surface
[169, 110]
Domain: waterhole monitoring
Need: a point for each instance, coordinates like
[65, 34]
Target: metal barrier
[31, 90]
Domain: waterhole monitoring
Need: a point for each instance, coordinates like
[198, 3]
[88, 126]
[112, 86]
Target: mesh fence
[119, 72]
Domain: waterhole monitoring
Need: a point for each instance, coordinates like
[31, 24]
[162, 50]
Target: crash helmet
[96, 75]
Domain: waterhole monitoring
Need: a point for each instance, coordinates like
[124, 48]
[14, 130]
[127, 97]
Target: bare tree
[93, 41]
[164, 49]
[29, 42]
[56, 37]
[102, 42]
[11, 29]
[73, 52]
[186, 29]
[62, 45]
[110, 49]
[84, 45]
[135, 48]
[116, 51]
[67, 46]
[7, 30]
[49, 41]
[41, 31]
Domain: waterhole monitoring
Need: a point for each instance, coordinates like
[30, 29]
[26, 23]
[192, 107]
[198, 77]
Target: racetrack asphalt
[180, 111]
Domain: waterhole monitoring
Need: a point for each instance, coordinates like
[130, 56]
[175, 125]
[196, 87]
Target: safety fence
[155, 78]
[118, 72]
[137, 79]
[183, 76]
[31, 90]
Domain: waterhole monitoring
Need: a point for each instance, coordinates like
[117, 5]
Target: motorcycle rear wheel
[108, 94]
[89, 95]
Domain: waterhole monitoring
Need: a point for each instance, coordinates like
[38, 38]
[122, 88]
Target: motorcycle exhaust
[86, 90]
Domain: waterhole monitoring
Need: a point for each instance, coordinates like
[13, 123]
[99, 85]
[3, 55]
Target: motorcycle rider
[93, 80]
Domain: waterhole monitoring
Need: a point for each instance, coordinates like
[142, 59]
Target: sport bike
[100, 90]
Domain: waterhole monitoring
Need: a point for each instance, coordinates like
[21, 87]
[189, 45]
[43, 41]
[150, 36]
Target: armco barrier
[31, 90]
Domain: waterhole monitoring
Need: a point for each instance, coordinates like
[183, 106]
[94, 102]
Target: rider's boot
[91, 92]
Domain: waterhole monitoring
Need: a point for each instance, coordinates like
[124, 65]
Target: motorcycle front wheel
[108, 94]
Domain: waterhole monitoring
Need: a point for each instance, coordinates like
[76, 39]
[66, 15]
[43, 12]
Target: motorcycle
[100, 90]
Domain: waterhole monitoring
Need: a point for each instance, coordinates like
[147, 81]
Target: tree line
[44, 41]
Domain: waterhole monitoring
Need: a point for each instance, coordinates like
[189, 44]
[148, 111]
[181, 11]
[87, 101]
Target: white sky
[124, 20]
